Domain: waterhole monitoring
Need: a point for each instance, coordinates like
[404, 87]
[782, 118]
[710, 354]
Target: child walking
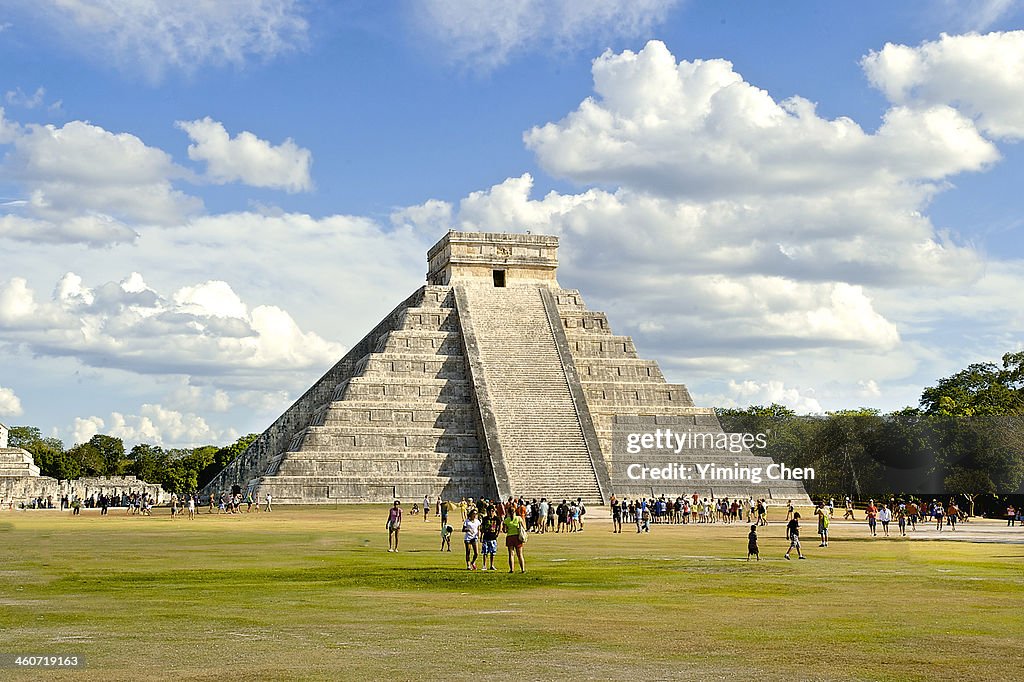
[752, 550]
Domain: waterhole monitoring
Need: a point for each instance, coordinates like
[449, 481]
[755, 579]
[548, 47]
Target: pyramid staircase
[539, 425]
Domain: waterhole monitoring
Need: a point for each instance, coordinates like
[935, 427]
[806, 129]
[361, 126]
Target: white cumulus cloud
[159, 425]
[85, 428]
[203, 330]
[247, 158]
[980, 75]
[697, 129]
[84, 184]
[10, 404]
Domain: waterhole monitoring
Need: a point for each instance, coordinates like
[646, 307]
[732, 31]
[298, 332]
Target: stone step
[361, 489]
[583, 320]
[395, 365]
[421, 341]
[317, 438]
[435, 319]
[381, 466]
[586, 345]
[404, 388]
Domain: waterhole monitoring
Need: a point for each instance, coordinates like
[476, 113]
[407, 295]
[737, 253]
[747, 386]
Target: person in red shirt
[872, 514]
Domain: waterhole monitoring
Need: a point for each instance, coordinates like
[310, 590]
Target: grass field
[312, 593]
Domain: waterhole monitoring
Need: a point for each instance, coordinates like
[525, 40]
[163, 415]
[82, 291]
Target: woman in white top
[884, 517]
[471, 528]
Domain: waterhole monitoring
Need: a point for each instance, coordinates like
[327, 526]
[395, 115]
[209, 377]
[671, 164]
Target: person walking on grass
[426, 506]
[191, 506]
[872, 515]
[489, 530]
[515, 537]
[952, 513]
[752, 550]
[394, 524]
[823, 521]
[645, 519]
[270, 499]
[471, 531]
[848, 514]
[762, 513]
[885, 516]
[937, 513]
[793, 531]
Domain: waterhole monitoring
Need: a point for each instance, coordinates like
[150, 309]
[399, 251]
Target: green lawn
[312, 593]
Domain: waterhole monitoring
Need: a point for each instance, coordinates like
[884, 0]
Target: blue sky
[200, 210]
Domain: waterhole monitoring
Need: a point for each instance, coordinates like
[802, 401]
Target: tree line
[178, 470]
[966, 437]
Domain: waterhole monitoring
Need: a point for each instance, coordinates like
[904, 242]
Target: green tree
[23, 436]
[87, 458]
[981, 455]
[841, 450]
[55, 462]
[111, 453]
[981, 389]
[147, 463]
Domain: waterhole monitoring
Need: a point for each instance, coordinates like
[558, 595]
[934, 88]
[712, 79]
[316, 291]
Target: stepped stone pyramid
[489, 380]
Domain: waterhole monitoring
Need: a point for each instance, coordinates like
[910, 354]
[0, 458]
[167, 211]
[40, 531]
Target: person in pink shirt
[393, 525]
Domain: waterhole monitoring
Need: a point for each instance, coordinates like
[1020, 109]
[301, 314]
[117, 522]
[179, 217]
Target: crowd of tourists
[906, 514]
[540, 516]
[686, 509]
[142, 503]
[132, 501]
[484, 521]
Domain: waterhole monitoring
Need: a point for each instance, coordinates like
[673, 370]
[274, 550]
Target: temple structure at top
[490, 380]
